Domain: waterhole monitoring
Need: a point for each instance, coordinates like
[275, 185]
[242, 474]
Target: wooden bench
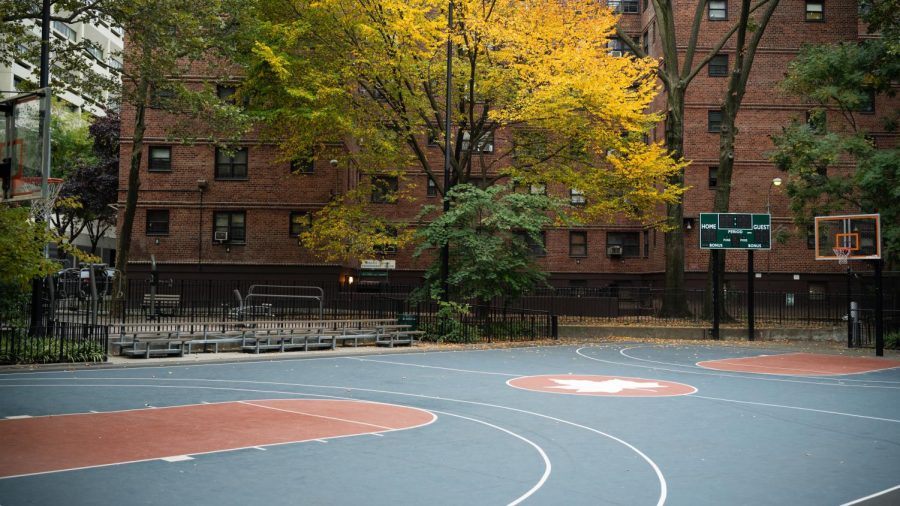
[165, 303]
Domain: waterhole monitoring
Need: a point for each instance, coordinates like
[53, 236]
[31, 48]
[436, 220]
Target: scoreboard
[735, 231]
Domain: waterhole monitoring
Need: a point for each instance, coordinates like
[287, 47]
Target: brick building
[203, 212]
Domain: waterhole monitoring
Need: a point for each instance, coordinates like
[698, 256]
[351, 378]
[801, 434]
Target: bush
[45, 350]
[892, 340]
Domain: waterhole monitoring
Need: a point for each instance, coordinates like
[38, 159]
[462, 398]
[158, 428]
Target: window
[94, 49]
[646, 244]
[231, 166]
[537, 189]
[810, 237]
[713, 180]
[431, 188]
[646, 43]
[617, 47]
[816, 120]
[303, 165]
[535, 248]
[576, 197]
[160, 159]
[718, 10]
[114, 63]
[868, 104]
[646, 4]
[229, 226]
[718, 66]
[301, 221]
[630, 242]
[160, 98]
[815, 10]
[485, 142]
[228, 93]
[383, 189]
[433, 137]
[157, 222]
[577, 244]
[714, 121]
[65, 30]
[624, 6]
[389, 247]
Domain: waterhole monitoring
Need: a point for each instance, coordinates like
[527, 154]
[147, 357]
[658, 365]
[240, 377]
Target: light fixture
[349, 280]
[157, 242]
[775, 182]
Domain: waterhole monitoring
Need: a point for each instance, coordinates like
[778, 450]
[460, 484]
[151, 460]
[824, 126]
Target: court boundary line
[663, 487]
[871, 496]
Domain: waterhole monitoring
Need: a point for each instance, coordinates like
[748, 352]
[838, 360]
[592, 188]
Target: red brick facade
[269, 193]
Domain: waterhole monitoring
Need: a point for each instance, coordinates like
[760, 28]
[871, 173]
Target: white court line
[18, 417]
[835, 383]
[355, 422]
[434, 367]
[876, 494]
[798, 408]
[663, 487]
[547, 465]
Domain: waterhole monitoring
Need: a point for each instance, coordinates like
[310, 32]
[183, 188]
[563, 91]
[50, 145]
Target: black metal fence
[864, 335]
[61, 342]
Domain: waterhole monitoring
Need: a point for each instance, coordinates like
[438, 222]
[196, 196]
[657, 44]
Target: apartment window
[646, 43]
[617, 47]
[577, 244]
[389, 247]
[810, 237]
[114, 63]
[536, 248]
[231, 165]
[714, 121]
[431, 188]
[537, 189]
[868, 104]
[301, 221]
[160, 98]
[718, 66]
[816, 120]
[229, 226]
[718, 10]
[65, 30]
[815, 10]
[383, 189]
[95, 51]
[646, 244]
[157, 222]
[303, 165]
[160, 159]
[646, 4]
[228, 93]
[625, 6]
[713, 179]
[817, 290]
[432, 139]
[629, 242]
[576, 197]
[485, 142]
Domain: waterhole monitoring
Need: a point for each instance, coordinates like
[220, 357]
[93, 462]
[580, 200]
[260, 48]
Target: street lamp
[775, 182]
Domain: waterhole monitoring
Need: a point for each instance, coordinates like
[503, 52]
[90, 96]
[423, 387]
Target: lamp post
[445, 250]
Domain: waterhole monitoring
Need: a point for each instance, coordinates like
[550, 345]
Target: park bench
[154, 343]
[165, 303]
[393, 335]
[286, 338]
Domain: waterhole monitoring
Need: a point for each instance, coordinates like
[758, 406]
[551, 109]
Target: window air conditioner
[613, 251]
[220, 236]
[615, 53]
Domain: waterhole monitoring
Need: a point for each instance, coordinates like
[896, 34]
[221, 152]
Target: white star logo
[612, 386]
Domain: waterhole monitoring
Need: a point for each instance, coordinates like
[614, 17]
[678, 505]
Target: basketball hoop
[42, 207]
[842, 254]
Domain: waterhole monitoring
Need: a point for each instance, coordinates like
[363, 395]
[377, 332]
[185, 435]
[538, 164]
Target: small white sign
[374, 264]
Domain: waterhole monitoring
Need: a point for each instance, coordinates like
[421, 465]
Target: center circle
[602, 386]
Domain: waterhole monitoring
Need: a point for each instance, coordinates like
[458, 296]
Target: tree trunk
[674, 302]
[123, 245]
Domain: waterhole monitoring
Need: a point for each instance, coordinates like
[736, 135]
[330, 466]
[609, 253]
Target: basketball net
[42, 207]
[842, 254]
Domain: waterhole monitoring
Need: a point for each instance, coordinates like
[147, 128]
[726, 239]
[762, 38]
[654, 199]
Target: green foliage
[22, 244]
[892, 340]
[489, 232]
[841, 79]
[449, 326]
[45, 350]
[71, 144]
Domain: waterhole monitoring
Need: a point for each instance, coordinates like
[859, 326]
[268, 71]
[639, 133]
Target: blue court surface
[618, 424]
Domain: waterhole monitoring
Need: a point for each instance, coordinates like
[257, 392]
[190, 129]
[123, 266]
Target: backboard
[858, 233]
[25, 145]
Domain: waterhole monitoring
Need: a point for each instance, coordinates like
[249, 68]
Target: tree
[683, 62]
[73, 64]
[161, 52]
[494, 233]
[536, 97]
[832, 162]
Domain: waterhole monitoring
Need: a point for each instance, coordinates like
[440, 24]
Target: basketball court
[601, 424]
